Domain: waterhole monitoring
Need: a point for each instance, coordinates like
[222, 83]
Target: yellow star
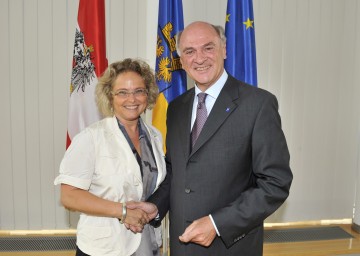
[249, 23]
[227, 17]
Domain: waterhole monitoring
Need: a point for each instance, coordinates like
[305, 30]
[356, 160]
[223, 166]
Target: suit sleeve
[161, 197]
[271, 173]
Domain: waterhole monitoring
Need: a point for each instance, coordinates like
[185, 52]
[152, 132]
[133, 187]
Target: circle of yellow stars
[248, 23]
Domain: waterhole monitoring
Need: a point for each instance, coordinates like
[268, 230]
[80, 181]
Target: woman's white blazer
[101, 161]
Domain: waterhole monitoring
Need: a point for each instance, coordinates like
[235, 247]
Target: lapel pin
[227, 109]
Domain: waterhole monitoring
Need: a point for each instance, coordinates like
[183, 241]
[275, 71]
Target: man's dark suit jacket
[238, 170]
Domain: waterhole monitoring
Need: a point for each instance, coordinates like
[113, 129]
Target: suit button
[187, 190]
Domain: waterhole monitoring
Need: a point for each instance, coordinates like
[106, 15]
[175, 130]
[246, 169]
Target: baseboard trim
[355, 227]
[309, 223]
[44, 232]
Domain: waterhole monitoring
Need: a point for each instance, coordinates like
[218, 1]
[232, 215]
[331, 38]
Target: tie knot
[201, 97]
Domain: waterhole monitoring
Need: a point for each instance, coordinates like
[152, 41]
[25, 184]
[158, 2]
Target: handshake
[135, 215]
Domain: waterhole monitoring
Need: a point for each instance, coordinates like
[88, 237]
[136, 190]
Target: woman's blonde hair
[104, 96]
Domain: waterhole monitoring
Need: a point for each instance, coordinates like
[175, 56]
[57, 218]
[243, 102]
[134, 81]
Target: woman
[116, 160]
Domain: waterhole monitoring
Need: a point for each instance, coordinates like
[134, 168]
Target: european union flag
[240, 42]
[170, 76]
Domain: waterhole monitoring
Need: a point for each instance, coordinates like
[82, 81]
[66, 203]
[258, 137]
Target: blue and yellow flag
[170, 77]
[240, 42]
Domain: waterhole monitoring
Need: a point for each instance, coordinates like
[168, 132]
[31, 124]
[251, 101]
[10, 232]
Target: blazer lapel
[158, 153]
[224, 106]
[119, 145]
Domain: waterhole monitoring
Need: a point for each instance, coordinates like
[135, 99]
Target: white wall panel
[150, 34]
[356, 79]
[316, 119]
[141, 31]
[115, 21]
[131, 25]
[348, 105]
[307, 55]
[17, 110]
[6, 178]
[61, 85]
[31, 110]
[46, 110]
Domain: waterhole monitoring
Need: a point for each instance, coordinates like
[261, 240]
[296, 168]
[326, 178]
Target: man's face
[202, 54]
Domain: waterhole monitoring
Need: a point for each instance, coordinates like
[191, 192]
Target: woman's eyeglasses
[138, 93]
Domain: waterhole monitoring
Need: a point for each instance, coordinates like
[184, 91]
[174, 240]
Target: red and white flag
[89, 62]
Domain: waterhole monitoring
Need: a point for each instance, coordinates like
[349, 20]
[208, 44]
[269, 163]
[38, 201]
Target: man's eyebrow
[209, 44]
[188, 48]
[205, 45]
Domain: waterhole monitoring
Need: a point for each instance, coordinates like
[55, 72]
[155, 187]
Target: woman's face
[129, 97]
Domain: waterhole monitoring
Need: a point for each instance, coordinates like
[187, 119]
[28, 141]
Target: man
[220, 190]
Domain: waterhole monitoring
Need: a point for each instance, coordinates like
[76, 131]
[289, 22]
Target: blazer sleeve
[272, 178]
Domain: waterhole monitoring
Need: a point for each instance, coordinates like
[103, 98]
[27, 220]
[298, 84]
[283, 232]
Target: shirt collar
[214, 90]
[140, 124]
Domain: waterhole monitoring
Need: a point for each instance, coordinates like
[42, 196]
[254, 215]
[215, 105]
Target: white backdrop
[308, 55]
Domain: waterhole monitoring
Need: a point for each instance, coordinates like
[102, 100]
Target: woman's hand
[136, 219]
[141, 213]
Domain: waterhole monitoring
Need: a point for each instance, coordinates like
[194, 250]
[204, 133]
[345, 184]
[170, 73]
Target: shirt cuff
[157, 218]
[213, 222]
[73, 181]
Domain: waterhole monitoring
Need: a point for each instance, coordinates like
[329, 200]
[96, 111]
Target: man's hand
[201, 232]
[149, 208]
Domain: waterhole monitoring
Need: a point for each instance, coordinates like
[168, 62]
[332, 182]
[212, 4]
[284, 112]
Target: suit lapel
[184, 122]
[224, 106]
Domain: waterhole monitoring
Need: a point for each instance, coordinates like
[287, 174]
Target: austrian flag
[89, 62]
